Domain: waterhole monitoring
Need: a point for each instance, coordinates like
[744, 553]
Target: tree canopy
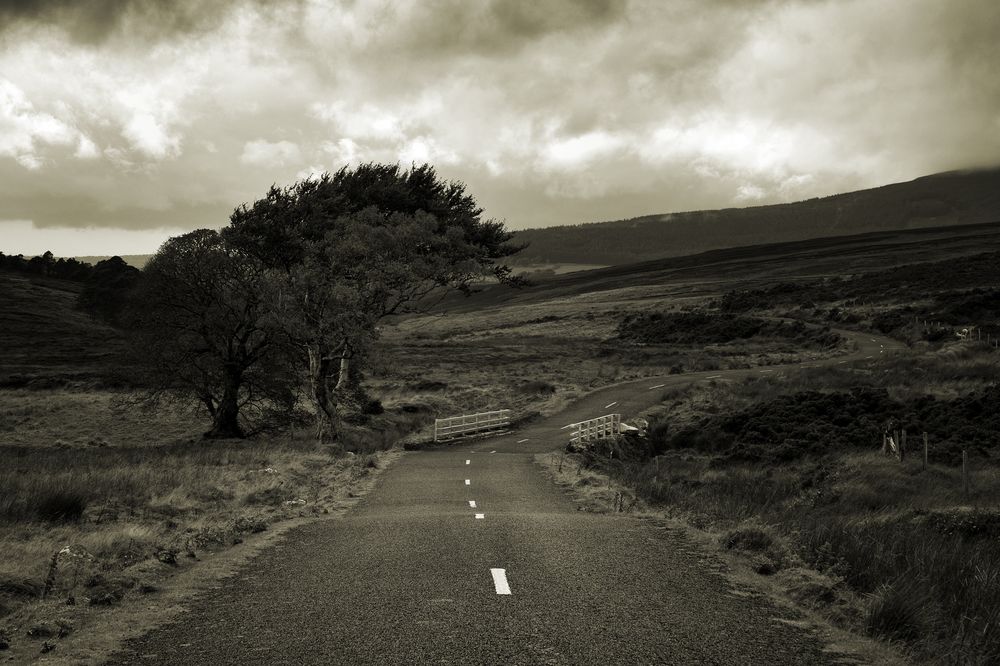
[299, 281]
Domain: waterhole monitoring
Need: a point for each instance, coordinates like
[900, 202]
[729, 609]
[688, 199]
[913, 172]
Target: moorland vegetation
[792, 469]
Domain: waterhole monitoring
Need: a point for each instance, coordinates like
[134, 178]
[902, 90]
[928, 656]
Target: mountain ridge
[959, 197]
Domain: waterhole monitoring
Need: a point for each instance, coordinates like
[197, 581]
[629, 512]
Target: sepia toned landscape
[571, 332]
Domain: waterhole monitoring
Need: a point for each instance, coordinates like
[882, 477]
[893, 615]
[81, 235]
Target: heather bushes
[699, 327]
[789, 427]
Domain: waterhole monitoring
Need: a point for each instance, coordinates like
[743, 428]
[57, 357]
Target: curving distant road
[468, 555]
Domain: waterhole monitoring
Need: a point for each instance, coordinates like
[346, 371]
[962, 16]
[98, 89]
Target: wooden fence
[470, 424]
[593, 429]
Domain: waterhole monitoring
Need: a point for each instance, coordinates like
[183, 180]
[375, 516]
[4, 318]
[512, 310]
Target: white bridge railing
[593, 429]
[470, 424]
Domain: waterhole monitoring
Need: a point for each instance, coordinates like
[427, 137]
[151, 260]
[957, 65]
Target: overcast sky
[125, 121]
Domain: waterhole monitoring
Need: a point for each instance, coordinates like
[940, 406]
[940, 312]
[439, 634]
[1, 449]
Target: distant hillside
[45, 338]
[945, 199]
[137, 260]
[757, 266]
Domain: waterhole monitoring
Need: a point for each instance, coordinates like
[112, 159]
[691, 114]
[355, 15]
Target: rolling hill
[759, 265]
[46, 339]
[953, 198]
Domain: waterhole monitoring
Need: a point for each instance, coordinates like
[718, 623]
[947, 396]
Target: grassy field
[783, 470]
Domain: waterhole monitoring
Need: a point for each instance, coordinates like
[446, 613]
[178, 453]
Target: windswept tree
[360, 245]
[201, 328]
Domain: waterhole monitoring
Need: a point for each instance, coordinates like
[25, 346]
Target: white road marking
[468, 482]
[869, 357]
[657, 386]
[500, 581]
[468, 462]
[767, 371]
[569, 425]
[522, 441]
[480, 516]
[713, 377]
[494, 451]
[611, 404]
[841, 362]
[472, 504]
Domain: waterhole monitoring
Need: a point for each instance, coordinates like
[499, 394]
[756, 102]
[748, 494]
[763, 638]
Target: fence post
[965, 473]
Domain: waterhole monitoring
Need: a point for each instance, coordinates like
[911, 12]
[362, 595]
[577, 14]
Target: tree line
[283, 305]
[106, 284]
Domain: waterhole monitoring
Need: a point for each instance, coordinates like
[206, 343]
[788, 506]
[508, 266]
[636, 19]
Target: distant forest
[105, 284]
[940, 200]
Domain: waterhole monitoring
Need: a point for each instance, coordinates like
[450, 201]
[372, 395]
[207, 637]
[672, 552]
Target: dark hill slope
[953, 198]
[45, 339]
[720, 270]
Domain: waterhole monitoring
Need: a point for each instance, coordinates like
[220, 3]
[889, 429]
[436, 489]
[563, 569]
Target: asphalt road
[408, 576]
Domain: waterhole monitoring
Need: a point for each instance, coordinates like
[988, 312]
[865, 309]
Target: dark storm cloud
[93, 21]
[444, 27]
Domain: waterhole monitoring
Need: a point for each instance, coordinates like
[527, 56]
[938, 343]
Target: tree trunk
[322, 396]
[344, 378]
[226, 421]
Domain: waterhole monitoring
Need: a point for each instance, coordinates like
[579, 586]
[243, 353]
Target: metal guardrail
[470, 424]
[590, 430]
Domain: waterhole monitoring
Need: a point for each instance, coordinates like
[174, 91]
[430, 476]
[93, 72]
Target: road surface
[468, 555]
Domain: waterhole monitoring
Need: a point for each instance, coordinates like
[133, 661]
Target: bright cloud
[24, 130]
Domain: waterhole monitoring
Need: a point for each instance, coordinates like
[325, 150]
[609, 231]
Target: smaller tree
[108, 287]
[200, 328]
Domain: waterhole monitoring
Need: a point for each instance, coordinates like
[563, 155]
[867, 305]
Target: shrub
[272, 496]
[536, 387]
[61, 506]
[895, 611]
[697, 327]
[372, 407]
[429, 385]
[747, 538]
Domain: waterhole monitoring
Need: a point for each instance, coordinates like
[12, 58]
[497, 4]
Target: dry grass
[83, 418]
[120, 503]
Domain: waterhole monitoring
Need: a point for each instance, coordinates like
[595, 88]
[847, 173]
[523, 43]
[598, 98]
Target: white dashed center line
[480, 516]
[492, 451]
[468, 482]
[472, 504]
[713, 377]
[522, 441]
[657, 386]
[611, 404]
[500, 581]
